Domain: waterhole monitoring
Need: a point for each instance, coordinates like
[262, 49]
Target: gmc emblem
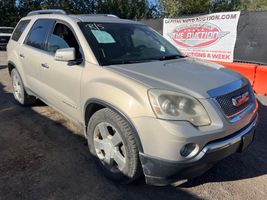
[240, 100]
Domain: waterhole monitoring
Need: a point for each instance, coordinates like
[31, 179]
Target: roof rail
[111, 15]
[100, 15]
[49, 11]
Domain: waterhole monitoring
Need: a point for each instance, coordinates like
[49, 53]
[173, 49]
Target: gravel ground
[43, 156]
[3, 58]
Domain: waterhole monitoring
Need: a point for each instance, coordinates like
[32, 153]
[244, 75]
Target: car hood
[187, 75]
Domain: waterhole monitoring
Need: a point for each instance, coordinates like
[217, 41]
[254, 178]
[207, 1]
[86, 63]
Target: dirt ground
[42, 156]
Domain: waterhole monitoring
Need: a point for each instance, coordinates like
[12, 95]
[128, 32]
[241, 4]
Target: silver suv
[5, 33]
[144, 107]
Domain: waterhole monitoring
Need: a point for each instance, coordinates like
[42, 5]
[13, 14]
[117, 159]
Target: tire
[19, 92]
[118, 161]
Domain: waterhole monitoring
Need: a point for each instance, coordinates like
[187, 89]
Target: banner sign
[210, 37]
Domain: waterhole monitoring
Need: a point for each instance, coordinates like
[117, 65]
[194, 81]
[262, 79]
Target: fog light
[189, 150]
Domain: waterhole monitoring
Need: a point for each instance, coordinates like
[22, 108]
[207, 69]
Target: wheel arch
[93, 105]
[10, 66]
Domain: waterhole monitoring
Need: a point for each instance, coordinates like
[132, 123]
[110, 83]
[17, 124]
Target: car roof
[103, 18]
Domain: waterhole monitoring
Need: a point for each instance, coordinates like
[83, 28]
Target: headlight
[176, 106]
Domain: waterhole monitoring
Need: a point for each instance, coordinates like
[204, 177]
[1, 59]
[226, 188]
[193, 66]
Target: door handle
[44, 65]
[21, 55]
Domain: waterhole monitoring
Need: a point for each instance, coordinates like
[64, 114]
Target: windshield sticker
[103, 37]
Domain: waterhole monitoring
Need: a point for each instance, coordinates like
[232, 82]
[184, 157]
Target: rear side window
[19, 29]
[39, 32]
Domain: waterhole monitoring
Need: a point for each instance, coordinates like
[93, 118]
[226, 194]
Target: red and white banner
[210, 37]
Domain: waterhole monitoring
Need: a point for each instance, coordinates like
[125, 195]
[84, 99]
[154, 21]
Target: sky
[153, 2]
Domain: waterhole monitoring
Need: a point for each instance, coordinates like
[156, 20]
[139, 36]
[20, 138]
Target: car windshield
[6, 30]
[120, 43]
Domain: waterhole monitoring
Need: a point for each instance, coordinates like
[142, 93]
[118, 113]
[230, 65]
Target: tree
[226, 5]
[9, 13]
[13, 10]
[129, 9]
[70, 6]
[195, 6]
[255, 5]
[184, 7]
[25, 6]
[189, 7]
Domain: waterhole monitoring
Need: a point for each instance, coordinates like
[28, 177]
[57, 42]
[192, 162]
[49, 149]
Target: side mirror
[66, 54]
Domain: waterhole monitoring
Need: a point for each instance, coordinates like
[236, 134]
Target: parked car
[5, 34]
[144, 107]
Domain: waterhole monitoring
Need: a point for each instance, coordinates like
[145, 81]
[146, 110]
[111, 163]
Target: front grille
[226, 103]
[4, 39]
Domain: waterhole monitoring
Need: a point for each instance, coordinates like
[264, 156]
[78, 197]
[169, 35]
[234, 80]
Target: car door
[32, 53]
[61, 80]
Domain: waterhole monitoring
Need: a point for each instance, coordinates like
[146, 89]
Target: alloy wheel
[109, 147]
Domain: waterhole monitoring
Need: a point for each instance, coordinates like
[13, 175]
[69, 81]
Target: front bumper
[162, 172]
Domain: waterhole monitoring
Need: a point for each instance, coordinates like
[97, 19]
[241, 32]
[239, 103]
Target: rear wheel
[19, 92]
[112, 143]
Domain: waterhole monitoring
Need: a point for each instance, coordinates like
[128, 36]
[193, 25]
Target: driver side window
[63, 37]
[138, 41]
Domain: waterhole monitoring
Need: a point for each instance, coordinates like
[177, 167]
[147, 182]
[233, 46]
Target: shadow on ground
[3, 67]
[41, 158]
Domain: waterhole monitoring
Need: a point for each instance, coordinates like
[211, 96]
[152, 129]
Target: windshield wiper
[147, 60]
[134, 61]
[171, 57]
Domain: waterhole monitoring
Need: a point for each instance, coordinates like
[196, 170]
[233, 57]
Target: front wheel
[19, 92]
[112, 143]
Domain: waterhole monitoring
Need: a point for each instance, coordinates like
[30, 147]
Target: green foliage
[8, 12]
[74, 7]
[255, 5]
[185, 7]
[195, 6]
[12, 10]
[226, 5]
[129, 9]
[188, 7]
